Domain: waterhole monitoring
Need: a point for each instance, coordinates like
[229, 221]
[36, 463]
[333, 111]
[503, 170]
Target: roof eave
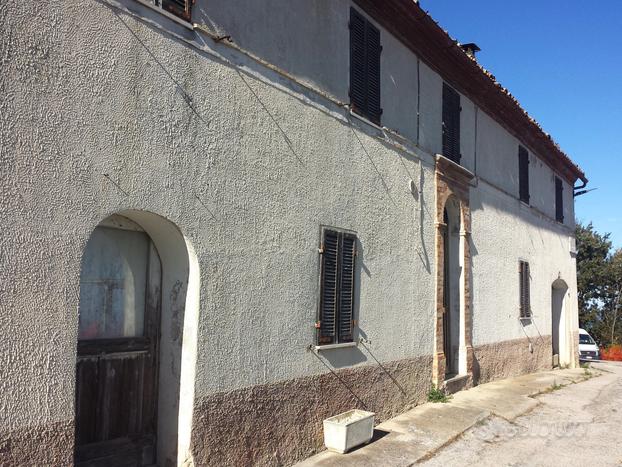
[409, 23]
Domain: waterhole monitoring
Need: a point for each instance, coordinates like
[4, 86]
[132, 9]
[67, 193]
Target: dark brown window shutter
[525, 294]
[451, 123]
[559, 200]
[328, 284]
[365, 52]
[523, 174]
[373, 73]
[336, 314]
[346, 286]
[180, 8]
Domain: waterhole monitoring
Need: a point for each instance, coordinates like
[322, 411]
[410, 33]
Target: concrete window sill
[365, 120]
[343, 345]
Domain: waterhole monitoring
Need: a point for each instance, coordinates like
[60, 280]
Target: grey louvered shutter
[365, 49]
[346, 286]
[373, 73]
[328, 285]
[527, 291]
[358, 63]
[559, 200]
[525, 295]
[523, 174]
[451, 123]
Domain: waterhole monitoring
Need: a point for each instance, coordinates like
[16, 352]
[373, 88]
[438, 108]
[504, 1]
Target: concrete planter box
[348, 430]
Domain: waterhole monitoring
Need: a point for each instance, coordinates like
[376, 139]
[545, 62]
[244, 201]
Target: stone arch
[179, 314]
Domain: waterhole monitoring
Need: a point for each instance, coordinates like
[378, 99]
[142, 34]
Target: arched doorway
[558, 328]
[138, 312]
[452, 366]
[118, 346]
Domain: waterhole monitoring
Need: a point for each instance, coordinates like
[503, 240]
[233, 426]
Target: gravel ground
[580, 424]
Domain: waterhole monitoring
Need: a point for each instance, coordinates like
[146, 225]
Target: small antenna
[582, 192]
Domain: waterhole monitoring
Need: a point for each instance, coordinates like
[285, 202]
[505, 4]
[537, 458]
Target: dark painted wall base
[281, 423]
[50, 445]
[278, 424]
[511, 358]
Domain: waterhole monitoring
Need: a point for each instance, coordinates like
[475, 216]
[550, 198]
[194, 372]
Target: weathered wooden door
[116, 378]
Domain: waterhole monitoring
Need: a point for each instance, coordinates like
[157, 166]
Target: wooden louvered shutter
[358, 63]
[525, 295]
[346, 286]
[527, 289]
[181, 8]
[373, 73]
[523, 174]
[451, 124]
[328, 285]
[365, 52]
[336, 315]
[559, 200]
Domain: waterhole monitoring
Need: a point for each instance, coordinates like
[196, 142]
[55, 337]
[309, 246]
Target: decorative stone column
[438, 363]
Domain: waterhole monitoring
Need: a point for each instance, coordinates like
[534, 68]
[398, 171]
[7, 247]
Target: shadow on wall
[423, 209]
[344, 358]
[499, 202]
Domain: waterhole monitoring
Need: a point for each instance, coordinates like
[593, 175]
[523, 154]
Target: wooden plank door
[116, 377]
[447, 343]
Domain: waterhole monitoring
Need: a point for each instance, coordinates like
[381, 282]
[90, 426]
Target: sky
[563, 61]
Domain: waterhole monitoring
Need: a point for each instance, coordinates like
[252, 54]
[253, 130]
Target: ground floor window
[337, 276]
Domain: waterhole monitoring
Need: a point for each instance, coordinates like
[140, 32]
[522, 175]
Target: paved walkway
[427, 433]
[578, 425]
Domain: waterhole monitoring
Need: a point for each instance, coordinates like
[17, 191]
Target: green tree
[612, 321]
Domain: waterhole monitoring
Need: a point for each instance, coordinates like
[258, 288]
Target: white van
[588, 350]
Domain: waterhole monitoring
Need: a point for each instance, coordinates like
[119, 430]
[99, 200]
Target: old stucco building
[223, 222]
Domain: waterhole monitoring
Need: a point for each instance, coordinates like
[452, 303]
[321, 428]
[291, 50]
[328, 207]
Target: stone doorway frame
[452, 180]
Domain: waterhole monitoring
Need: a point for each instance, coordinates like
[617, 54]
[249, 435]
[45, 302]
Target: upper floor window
[559, 200]
[451, 123]
[365, 51]
[336, 314]
[180, 8]
[523, 174]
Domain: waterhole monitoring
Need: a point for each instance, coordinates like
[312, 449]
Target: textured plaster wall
[279, 423]
[307, 39]
[430, 110]
[101, 112]
[497, 163]
[497, 154]
[248, 183]
[491, 361]
[496, 252]
[468, 134]
[312, 44]
[399, 86]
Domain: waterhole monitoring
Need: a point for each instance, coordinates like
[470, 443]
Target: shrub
[437, 395]
[614, 352]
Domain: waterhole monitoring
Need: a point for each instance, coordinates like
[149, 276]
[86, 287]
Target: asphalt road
[580, 424]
